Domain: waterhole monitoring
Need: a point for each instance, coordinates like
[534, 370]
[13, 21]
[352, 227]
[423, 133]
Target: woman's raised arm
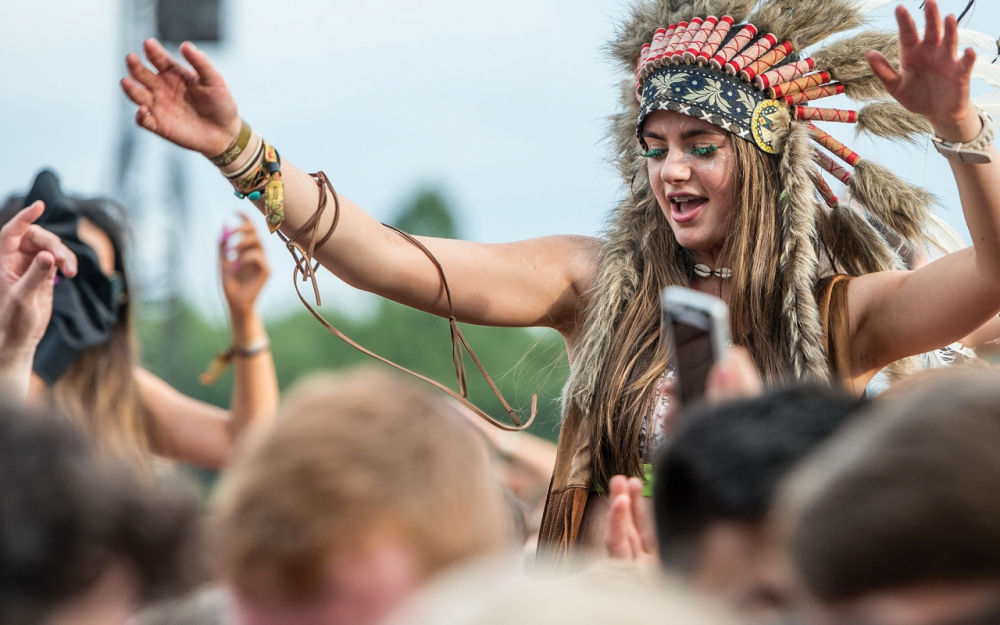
[536, 282]
[898, 314]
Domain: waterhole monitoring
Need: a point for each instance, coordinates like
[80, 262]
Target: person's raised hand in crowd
[244, 268]
[932, 79]
[29, 259]
[630, 528]
[191, 107]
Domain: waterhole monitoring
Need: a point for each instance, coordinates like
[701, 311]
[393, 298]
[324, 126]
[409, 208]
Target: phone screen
[691, 332]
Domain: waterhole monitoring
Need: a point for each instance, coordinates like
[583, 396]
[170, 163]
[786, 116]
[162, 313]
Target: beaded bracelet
[264, 182]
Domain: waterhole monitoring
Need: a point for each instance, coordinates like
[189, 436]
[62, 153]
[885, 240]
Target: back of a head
[68, 516]
[726, 461]
[607, 592]
[906, 495]
[352, 459]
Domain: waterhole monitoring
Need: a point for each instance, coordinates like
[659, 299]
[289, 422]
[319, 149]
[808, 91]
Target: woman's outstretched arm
[197, 432]
[538, 282]
[898, 314]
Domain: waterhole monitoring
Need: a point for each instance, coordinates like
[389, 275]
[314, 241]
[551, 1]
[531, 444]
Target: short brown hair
[906, 494]
[351, 456]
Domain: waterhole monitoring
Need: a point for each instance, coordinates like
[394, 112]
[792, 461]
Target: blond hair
[353, 458]
[100, 395]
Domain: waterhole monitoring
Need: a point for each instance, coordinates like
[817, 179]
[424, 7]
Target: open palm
[932, 79]
[191, 107]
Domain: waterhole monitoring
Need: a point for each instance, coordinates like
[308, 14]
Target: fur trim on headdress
[805, 22]
[799, 262]
[891, 121]
[859, 247]
[846, 59]
[902, 207]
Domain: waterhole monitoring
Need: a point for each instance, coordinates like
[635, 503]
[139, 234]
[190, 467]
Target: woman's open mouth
[686, 207]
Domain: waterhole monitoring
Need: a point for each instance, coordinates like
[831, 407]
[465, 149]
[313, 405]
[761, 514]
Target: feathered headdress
[741, 65]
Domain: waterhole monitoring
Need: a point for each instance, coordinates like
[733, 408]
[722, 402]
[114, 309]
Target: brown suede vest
[571, 478]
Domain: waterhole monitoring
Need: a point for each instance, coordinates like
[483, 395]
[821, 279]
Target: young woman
[87, 362]
[723, 199]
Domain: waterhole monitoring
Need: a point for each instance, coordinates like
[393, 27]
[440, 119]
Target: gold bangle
[233, 151]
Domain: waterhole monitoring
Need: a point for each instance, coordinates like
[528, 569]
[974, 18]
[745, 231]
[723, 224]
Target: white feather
[974, 38]
[977, 39]
[988, 72]
[989, 103]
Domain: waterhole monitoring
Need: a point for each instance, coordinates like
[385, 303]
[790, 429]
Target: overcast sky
[502, 105]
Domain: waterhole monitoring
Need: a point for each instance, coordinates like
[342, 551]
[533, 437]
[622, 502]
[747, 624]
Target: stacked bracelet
[259, 177]
[264, 181]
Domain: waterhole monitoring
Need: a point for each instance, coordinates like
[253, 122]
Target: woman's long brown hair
[623, 397]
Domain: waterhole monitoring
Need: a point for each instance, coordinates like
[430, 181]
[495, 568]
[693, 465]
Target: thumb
[38, 277]
[618, 543]
[884, 71]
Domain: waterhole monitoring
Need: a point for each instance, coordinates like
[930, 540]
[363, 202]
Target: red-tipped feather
[799, 85]
[825, 191]
[753, 52]
[715, 40]
[824, 115]
[766, 62]
[707, 28]
[785, 73]
[731, 49]
[835, 169]
[694, 27]
[839, 150]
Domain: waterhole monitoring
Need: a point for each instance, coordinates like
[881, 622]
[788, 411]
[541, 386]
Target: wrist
[15, 370]
[963, 129]
[229, 136]
[247, 326]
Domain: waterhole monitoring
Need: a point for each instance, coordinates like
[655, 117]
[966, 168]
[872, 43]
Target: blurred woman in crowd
[87, 363]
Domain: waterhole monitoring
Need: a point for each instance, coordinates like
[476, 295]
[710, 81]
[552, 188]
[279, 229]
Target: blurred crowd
[365, 499]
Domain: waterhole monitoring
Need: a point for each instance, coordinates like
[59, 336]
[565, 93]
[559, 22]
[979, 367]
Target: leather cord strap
[306, 267]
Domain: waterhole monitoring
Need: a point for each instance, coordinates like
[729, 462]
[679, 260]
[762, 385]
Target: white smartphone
[696, 326]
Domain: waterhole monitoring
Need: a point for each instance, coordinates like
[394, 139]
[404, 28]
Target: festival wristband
[222, 361]
[235, 149]
[248, 160]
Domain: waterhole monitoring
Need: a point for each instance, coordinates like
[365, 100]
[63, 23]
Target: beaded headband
[744, 82]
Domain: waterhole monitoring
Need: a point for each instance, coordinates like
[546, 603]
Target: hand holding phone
[696, 330]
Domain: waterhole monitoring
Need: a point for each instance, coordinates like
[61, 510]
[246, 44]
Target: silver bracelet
[972, 152]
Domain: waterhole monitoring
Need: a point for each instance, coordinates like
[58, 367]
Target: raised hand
[29, 258]
[191, 107]
[244, 267]
[630, 534]
[932, 80]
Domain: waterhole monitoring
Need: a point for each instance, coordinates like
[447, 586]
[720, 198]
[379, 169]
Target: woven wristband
[233, 151]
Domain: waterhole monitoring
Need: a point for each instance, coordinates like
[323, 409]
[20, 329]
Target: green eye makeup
[654, 153]
[705, 150]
